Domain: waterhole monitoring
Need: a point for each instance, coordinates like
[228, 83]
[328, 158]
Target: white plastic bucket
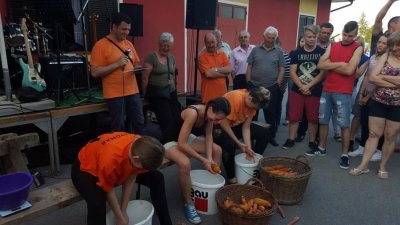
[140, 212]
[204, 186]
[245, 169]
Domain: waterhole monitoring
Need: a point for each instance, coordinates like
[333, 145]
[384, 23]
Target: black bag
[154, 91]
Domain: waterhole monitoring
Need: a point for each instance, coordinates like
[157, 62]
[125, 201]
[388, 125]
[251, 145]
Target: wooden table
[41, 120]
[59, 116]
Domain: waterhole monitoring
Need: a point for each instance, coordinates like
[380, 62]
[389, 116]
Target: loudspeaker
[201, 14]
[135, 12]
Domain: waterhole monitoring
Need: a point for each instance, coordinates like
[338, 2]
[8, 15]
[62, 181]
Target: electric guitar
[93, 19]
[31, 76]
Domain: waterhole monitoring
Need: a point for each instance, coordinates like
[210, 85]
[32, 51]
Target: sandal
[356, 172]
[383, 174]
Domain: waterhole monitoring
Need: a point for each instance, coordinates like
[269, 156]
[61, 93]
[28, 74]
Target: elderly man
[340, 60]
[266, 66]
[214, 67]
[239, 60]
[377, 31]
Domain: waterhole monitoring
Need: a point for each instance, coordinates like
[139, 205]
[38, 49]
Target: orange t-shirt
[117, 83]
[239, 111]
[107, 158]
[212, 87]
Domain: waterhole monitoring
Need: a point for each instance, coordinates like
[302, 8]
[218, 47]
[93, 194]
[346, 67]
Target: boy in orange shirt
[115, 159]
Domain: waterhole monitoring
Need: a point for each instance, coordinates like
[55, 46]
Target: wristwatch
[216, 69]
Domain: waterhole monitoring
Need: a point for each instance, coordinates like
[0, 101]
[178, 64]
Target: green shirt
[159, 73]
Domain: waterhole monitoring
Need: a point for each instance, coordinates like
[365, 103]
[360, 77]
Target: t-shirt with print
[117, 83]
[307, 68]
[107, 158]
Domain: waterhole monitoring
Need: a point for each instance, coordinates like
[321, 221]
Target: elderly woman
[384, 108]
[158, 82]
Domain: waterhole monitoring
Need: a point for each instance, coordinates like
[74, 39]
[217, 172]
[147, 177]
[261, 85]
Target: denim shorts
[338, 106]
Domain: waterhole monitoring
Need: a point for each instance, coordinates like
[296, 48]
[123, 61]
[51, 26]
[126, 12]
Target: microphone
[126, 53]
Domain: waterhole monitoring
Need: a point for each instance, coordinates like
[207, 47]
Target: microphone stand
[4, 65]
[89, 98]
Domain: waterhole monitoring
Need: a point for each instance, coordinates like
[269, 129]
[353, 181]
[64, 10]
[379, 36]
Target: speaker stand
[89, 97]
[196, 62]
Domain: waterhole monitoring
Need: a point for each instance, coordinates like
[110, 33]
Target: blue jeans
[129, 108]
[338, 106]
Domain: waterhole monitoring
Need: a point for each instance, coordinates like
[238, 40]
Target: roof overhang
[335, 1]
[342, 1]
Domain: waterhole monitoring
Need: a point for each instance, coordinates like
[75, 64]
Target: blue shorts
[338, 106]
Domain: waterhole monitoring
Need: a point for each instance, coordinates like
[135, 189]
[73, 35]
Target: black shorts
[389, 112]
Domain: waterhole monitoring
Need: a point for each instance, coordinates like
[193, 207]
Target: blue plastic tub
[14, 190]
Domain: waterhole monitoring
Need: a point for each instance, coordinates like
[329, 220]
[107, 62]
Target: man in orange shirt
[214, 67]
[113, 60]
[115, 159]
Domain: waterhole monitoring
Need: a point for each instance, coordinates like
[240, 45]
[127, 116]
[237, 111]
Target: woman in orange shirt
[238, 124]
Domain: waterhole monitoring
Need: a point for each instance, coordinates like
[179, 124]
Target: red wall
[158, 17]
[3, 10]
[282, 14]
[323, 11]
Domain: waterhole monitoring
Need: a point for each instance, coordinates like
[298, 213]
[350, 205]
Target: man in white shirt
[239, 60]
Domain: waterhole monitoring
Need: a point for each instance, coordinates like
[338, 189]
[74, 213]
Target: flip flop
[383, 174]
[356, 172]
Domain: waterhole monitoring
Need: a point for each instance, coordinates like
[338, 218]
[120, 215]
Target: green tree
[363, 29]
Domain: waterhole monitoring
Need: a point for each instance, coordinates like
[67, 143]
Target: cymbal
[25, 8]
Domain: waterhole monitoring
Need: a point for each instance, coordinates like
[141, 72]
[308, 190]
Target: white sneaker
[358, 152]
[377, 156]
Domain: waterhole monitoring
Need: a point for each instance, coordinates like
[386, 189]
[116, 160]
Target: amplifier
[72, 74]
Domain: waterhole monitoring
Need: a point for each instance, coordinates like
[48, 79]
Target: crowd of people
[321, 78]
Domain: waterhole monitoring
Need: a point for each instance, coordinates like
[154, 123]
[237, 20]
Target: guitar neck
[27, 45]
[28, 52]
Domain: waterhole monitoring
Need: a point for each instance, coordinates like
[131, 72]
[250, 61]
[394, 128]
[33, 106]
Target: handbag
[154, 91]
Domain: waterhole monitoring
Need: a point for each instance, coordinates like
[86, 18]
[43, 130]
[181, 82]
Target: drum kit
[38, 37]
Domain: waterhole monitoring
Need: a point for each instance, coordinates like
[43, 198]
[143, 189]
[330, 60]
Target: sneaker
[299, 138]
[312, 145]
[344, 162]
[288, 144]
[191, 213]
[377, 156]
[316, 151]
[358, 152]
[351, 146]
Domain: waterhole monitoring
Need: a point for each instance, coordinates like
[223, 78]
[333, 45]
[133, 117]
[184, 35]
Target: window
[304, 20]
[226, 11]
[231, 12]
[239, 13]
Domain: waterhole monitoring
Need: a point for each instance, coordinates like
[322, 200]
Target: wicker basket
[287, 190]
[235, 191]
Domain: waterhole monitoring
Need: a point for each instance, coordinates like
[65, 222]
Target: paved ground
[332, 197]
